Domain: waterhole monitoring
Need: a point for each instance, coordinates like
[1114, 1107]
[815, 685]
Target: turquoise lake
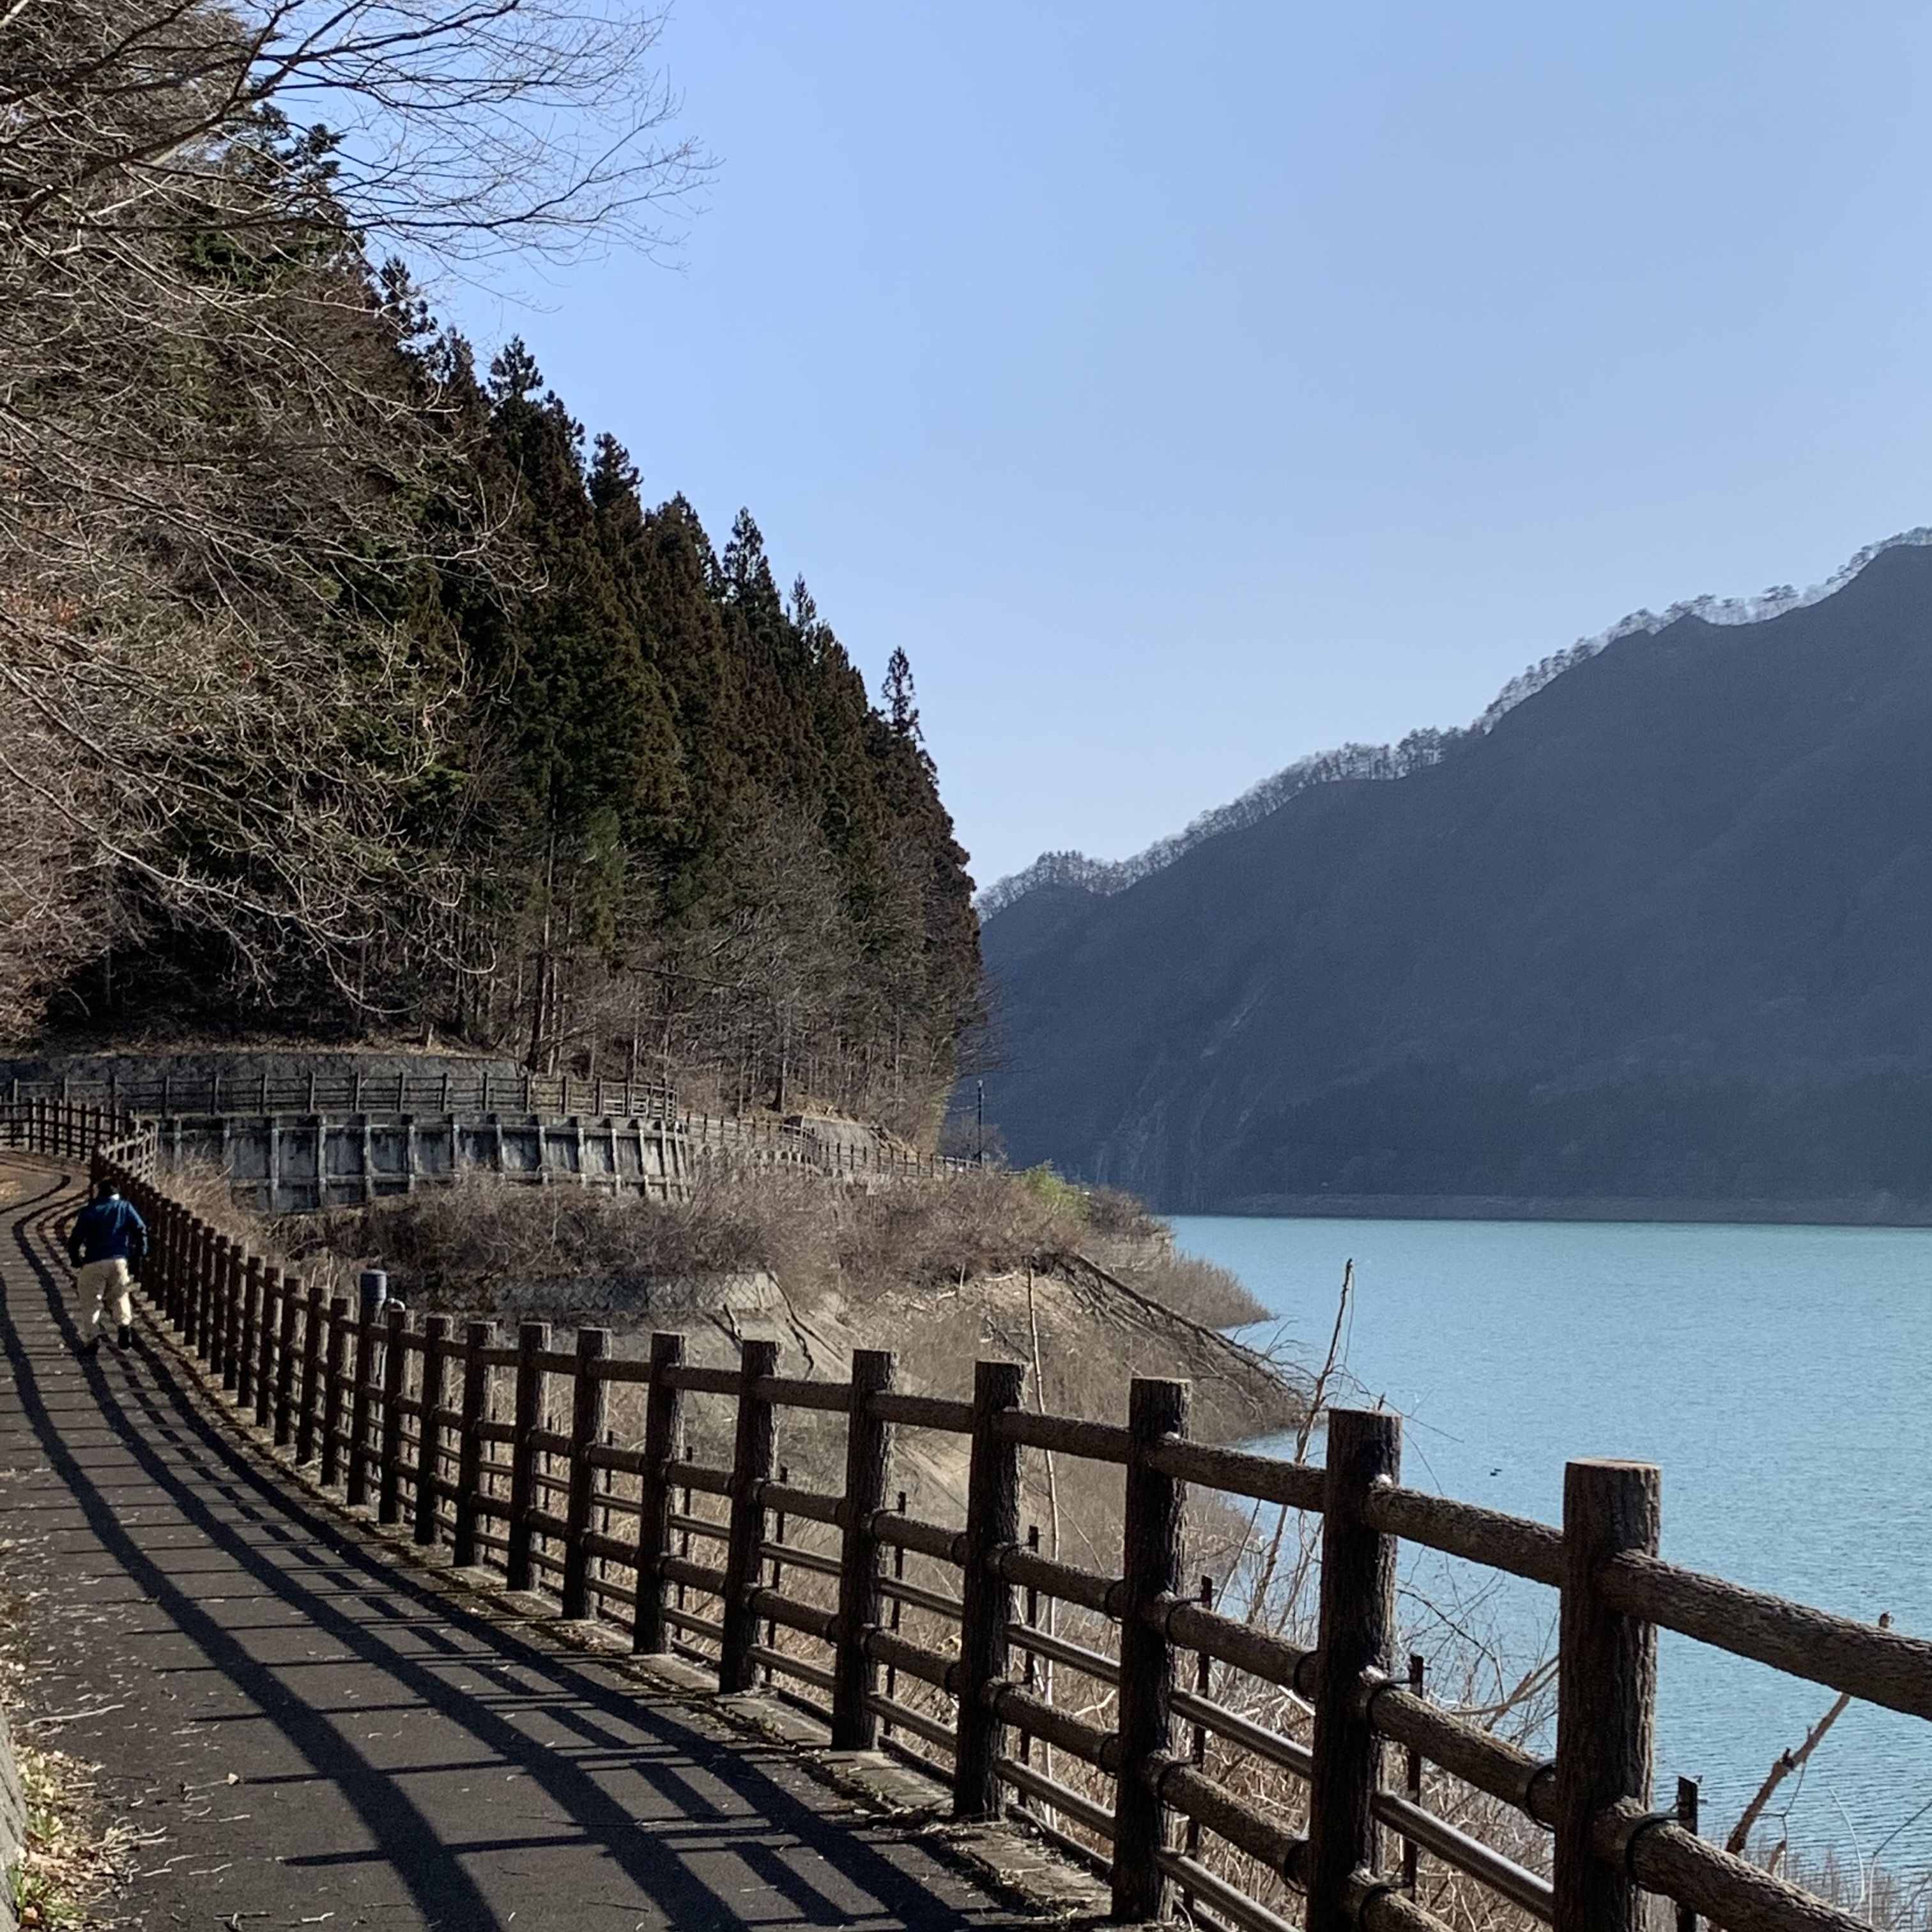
[1781, 1377]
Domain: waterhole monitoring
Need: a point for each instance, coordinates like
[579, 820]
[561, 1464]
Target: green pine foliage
[696, 851]
[670, 838]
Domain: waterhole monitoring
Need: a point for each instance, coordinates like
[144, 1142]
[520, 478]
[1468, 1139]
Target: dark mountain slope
[1664, 934]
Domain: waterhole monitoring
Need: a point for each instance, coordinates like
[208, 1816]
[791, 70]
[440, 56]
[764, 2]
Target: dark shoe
[127, 1336]
[91, 1346]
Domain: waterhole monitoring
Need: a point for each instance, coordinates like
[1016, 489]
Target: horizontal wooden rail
[793, 1558]
[502, 1452]
[690, 1379]
[788, 1664]
[1291, 1756]
[923, 1411]
[1511, 1543]
[903, 1717]
[1071, 1585]
[1221, 1897]
[1064, 1650]
[929, 1666]
[696, 1476]
[1243, 1824]
[1729, 1891]
[1258, 1652]
[925, 1539]
[920, 1598]
[1060, 1729]
[1048, 1790]
[694, 1575]
[698, 1525]
[1265, 1479]
[1094, 1442]
[1516, 1883]
[794, 1392]
[771, 1605]
[811, 1504]
[1476, 1757]
[1883, 1666]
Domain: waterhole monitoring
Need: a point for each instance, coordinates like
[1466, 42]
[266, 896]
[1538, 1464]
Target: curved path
[308, 1736]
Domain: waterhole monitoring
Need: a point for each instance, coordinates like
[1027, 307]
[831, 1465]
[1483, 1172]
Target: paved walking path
[312, 1736]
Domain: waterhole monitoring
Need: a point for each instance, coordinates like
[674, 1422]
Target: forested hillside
[1659, 935]
[351, 690]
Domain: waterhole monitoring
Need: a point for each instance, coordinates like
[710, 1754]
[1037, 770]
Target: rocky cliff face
[1662, 931]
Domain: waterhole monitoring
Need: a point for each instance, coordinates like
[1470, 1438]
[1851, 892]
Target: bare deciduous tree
[228, 700]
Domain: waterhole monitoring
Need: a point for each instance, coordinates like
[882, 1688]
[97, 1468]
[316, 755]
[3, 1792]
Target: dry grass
[467, 1245]
[68, 1865]
[943, 1273]
[1892, 1901]
[71, 1861]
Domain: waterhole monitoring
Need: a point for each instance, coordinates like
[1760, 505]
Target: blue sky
[1190, 388]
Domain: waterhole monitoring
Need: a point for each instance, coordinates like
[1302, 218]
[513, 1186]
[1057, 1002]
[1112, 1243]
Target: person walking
[107, 1242]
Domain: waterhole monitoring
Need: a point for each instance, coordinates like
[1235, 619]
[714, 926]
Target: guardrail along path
[926, 1635]
[304, 1735]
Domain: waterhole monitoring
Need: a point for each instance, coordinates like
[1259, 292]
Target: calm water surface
[1782, 1377]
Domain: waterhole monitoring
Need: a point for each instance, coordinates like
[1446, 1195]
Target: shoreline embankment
[1872, 1211]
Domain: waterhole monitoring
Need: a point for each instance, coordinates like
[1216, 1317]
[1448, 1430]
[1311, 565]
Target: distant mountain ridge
[1653, 935]
[1421, 748]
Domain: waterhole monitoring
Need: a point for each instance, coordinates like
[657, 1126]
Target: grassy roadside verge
[72, 1860]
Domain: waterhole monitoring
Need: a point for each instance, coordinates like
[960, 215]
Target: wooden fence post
[479, 1336]
[336, 1347]
[429, 1427]
[314, 1321]
[211, 1300]
[1606, 1691]
[192, 1284]
[361, 1400]
[1151, 1576]
[868, 1462]
[1356, 1635]
[992, 1527]
[532, 1339]
[188, 1291]
[212, 1323]
[265, 1347]
[753, 1447]
[156, 1265]
[395, 1363]
[587, 1403]
[240, 1375]
[290, 1299]
[181, 1280]
[232, 1277]
[664, 1417]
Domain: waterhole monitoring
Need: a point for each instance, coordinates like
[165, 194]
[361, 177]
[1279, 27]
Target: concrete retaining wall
[288, 1163]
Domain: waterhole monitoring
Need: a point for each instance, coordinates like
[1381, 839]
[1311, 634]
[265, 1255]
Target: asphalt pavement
[302, 1732]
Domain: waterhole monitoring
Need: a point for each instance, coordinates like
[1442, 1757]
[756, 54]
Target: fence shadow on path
[709, 1800]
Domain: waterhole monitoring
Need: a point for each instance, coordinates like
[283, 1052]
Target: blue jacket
[107, 1231]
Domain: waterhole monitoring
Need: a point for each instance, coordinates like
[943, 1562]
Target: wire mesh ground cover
[397, 1759]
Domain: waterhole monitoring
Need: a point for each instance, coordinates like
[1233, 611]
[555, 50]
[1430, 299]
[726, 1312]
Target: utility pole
[980, 1091]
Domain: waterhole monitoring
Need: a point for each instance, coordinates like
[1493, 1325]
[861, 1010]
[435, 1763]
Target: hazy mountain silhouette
[1661, 935]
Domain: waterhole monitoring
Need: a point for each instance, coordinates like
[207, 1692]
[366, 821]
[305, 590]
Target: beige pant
[109, 1282]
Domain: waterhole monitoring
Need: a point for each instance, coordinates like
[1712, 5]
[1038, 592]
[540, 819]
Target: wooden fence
[458, 1087]
[458, 1435]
